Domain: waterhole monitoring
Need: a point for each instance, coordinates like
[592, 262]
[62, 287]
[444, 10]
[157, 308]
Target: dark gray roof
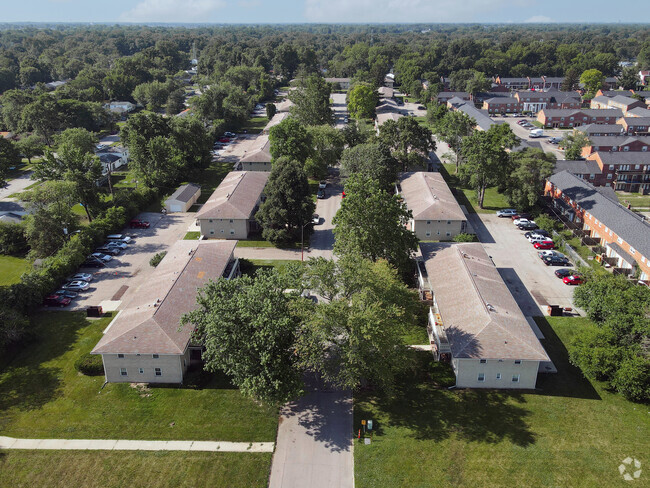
[580, 167]
[639, 112]
[502, 100]
[614, 93]
[637, 121]
[480, 116]
[617, 140]
[632, 228]
[109, 158]
[185, 192]
[624, 157]
[621, 252]
[609, 129]
[449, 94]
[589, 112]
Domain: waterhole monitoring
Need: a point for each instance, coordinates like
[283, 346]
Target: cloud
[402, 10]
[173, 11]
[539, 19]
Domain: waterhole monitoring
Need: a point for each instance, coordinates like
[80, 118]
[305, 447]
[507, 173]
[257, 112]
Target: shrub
[632, 379]
[155, 261]
[12, 239]
[547, 223]
[463, 237]
[89, 364]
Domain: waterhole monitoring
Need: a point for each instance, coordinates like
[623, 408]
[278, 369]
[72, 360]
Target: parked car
[92, 263]
[541, 254]
[76, 285]
[573, 280]
[232, 134]
[521, 220]
[315, 219]
[119, 237]
[322, 184]
[139, 224]
[527, 225]
[563, 272]
[320, 194]
[342, 194]
[102, 257]
[544, 245]
[536, 233]
[506, 212]
[522, 121]
[66, 293]
[555, 261]
[80, 277]
[520, 215]
[111, 251]
[56, 301]
[119, 245]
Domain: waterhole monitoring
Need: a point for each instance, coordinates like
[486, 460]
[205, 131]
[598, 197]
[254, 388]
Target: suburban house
[389, 80]
[521, 83]
[611, 83]
[501, 105]
[384, 116]
[343, 83]
[596, 130]
[145, 343]
[385, 92]
[230, 211]
[120, 107]
[644, 77]
[436, 213]
[258, 156]
[475, 322]
[277, 118]
[481, 117]
[635, 125]
[183, 198]
[622, 143]
[622, 235]
[619, 101]
[575, 118]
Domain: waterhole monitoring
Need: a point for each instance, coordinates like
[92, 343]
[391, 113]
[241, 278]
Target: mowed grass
[570, 432]
[106, 469]
[11, 269]
[43, 396]
[254, 125]
[211, 178]
[634, 199]
[192, 236]
[492, 201]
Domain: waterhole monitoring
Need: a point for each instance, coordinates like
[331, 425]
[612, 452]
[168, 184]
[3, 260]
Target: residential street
[16, 185]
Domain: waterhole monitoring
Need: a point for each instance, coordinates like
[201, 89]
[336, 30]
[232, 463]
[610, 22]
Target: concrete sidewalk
[129, 445]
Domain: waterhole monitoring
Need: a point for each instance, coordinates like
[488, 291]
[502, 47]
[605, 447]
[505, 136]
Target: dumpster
[94, 311]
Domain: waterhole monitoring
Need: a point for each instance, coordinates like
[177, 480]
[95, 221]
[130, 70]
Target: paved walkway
[315, 442]
[125, 445]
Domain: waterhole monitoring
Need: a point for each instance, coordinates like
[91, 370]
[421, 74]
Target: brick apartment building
[532, 101]
[575, 118]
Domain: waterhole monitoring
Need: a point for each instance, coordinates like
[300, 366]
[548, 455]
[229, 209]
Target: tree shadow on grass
[28, 387]
[432, 412]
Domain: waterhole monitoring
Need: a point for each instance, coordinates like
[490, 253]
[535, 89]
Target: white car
[538, 238]
[81, 277]
[117, 244]
[521, 221]
[506, 212]
[322, 185]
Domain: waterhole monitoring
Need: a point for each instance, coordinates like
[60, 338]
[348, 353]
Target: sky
[321, 11]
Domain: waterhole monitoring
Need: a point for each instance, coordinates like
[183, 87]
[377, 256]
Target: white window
[626, 148]
[121, 356]
[481, 376]
[643, 259]
[498, 376]
[611, 166]
[515, 378]
[517, 361]
[155, 356]
[482, 361]
[123, 371]
[619, 240]
[632, 251]
[158, 371]
[644, 148]
[609, 176]
[591, 176]
[141, 371]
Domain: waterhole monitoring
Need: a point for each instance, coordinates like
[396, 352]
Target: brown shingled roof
[481, 317]
[428, 197]
[150, 322]
[236, 196]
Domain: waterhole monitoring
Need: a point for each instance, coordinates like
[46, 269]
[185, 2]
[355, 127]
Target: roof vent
[465, 255]
[490, 307]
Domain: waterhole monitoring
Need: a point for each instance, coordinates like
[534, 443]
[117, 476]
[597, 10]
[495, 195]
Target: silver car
[76, 286]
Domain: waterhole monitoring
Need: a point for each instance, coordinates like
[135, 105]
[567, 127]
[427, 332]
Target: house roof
[260, 151]
[609, 129]
[384, 116]
[284, 105]
[185, 193]
[636, 121]
[617, 140]
[236, 196]
[150, 323]
[613, 93]
[481, 117]
[633, 228]
[502, 100]
[385, 92]
[638, 112]
[277, 118]
[479, 314]
[589, 112]
[621, 252]
[622, 99]
[387, 105]
[337, 80]
[579, 167]
[449, 94]
[428, 197]
[622, 157]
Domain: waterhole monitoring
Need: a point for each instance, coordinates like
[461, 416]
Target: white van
[119, 237]
[536, 133]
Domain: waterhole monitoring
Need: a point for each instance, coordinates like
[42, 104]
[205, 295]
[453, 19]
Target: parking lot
[533, 284]
[114, 283]
[524, 134]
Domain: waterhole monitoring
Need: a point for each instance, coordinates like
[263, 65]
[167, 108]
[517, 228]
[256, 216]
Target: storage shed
[183, 198]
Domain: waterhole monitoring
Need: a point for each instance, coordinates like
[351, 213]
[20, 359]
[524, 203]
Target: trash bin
[94, 311]
[555, 310]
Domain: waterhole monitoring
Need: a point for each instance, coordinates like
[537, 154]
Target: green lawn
[492, 201]
[634, 199]
[570, 432]
[19, 169]
[192, 236]
[255, 125]
[252, 243]
[11, 268]
[250, 266]
[43, 396]
[211, 178]
[416, 335]
[105, 469]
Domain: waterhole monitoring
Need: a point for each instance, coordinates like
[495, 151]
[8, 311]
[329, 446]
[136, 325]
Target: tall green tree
[629, 79]
[573, 143]
[287, 211]
[327, 143]
[525, 185]
[9, 156]
[74, 161]
[371, 223]
[452, 128]
[290, 139]
[571, 80]
[311, 100]
[593, 80]
[486, 160]
[409, 142]
[357, 337]
[478, 83]
[372, 161]
[30, 147]
[248, 328]
[42, 116]
[362, 100]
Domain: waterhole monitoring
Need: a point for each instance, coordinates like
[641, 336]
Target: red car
[573, 280]
[139, 224]
[56, 301]
[544, 245]
[343, 195]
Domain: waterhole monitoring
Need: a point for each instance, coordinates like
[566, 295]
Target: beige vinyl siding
[468, 370]
[255, 166]
[224, 228]
[437, 230]
[171, 366]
